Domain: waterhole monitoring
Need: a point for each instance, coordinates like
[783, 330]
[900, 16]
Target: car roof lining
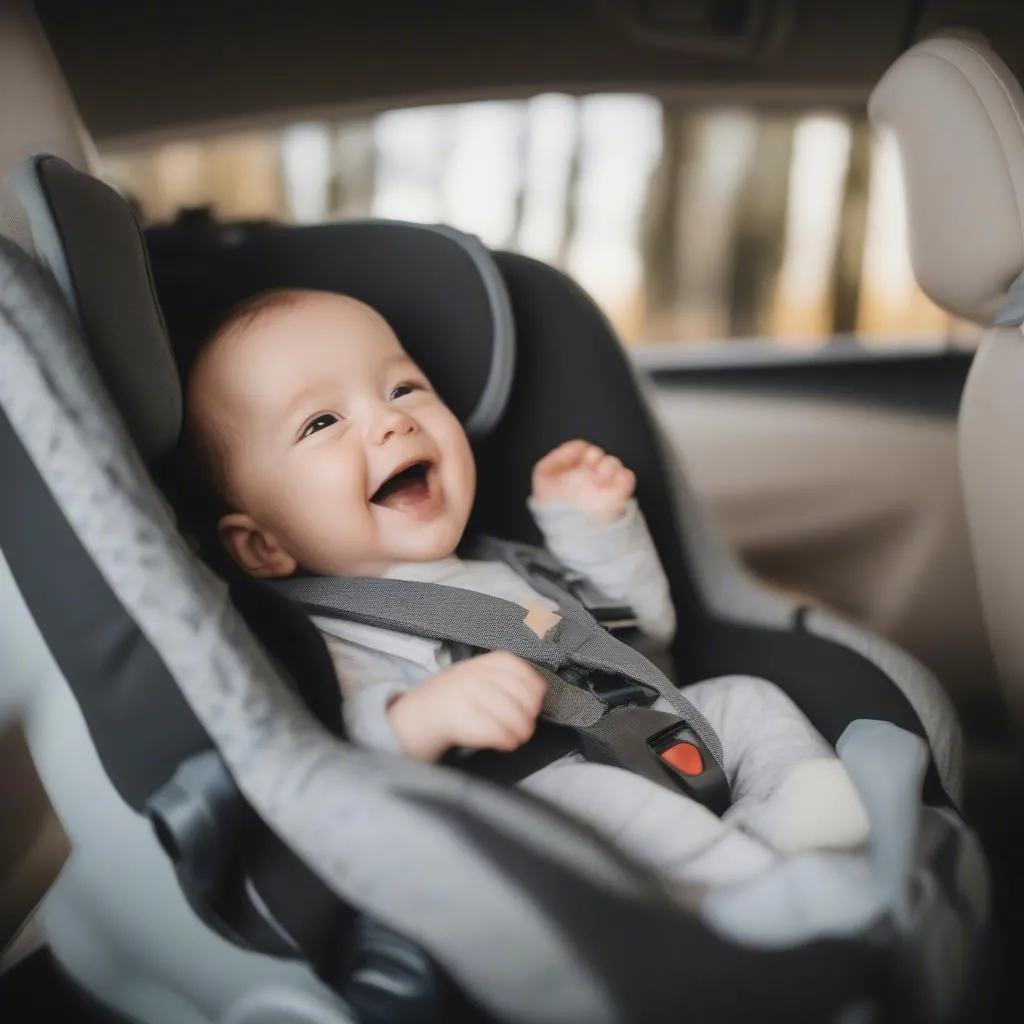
[169, 68]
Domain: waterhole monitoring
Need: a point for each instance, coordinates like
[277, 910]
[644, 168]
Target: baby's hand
[491, 701]
[580, 472]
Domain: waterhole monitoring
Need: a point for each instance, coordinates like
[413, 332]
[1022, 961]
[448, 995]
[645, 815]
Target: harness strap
[452, 614]
[595, 681]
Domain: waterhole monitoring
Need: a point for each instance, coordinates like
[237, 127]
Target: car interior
[871, 482]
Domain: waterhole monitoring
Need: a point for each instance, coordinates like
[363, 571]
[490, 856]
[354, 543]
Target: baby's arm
[491, 701]
[583, 504]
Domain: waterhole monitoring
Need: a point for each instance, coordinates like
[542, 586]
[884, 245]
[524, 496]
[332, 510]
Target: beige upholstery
[958, 115]
[37, 114]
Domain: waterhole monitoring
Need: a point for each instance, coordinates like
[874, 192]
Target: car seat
[957, 113]
[415, 893]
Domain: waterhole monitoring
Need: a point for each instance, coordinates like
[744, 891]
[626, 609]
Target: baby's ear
[256, 551]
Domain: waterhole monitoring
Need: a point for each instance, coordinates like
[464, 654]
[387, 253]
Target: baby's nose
[394, 424]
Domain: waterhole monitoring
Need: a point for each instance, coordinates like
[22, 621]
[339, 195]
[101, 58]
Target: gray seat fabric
[957, 114]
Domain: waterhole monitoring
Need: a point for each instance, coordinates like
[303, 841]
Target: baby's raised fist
[585, 475]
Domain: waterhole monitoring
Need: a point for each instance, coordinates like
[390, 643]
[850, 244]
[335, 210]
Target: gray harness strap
[479, 620]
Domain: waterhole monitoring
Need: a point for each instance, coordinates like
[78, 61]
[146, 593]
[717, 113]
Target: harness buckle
[684, 756]
[661, 747]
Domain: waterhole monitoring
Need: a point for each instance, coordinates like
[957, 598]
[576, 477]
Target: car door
[834, 473]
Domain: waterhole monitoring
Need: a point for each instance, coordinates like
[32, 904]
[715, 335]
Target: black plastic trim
[928, 382]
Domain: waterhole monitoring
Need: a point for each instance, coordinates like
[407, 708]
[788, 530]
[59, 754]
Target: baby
[335, 455]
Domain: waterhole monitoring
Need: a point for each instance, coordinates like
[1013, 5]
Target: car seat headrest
[957, 114]
[87, 236]
[439, 289]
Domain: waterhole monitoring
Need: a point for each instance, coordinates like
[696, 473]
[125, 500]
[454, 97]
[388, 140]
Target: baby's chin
[431, 544]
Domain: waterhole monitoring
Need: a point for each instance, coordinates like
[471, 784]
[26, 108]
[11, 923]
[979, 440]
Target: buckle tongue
[615, 690]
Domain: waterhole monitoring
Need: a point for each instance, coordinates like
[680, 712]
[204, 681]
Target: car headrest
[957, 114]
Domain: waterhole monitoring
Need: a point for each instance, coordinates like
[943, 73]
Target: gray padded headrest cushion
[957, 114]
[87, 235]
[439, 290]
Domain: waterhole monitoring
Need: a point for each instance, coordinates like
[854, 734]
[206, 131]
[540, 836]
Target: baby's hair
[204, 442]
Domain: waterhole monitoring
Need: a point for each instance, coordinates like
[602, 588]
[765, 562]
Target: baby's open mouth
[405, 490]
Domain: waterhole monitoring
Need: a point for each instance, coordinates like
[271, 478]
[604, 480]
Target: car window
[689, 226]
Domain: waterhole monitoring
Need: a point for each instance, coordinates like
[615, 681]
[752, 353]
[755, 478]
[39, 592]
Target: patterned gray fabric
[363, 822]
[919, 686]
[480, 620]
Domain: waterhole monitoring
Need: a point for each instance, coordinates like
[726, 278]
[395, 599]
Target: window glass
[689, 226]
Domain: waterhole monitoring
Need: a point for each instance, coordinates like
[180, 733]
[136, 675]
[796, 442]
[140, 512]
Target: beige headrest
[37, 112]
[958, 118]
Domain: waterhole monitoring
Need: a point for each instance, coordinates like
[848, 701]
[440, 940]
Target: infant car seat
[314, 882]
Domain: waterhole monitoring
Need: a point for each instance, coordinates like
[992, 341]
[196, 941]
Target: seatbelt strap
[552, 578]
[1012, 313]
[455, 615]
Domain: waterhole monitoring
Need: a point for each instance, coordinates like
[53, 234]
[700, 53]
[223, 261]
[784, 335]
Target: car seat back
[957, 114]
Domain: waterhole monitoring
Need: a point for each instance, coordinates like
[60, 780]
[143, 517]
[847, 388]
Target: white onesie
[789, 790]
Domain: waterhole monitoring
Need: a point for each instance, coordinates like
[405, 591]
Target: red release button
[684, 757]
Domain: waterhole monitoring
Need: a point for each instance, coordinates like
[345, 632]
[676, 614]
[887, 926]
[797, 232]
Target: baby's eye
[322, 422]
[401, 390]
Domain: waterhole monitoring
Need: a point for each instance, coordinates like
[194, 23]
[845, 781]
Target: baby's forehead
[295, 343]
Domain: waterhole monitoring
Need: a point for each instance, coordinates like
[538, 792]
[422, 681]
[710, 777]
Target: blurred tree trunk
[759, 240]
[570, 216]
[353, 169]
[661, 216]
[522, 146]
[661, 228]
[849, 259]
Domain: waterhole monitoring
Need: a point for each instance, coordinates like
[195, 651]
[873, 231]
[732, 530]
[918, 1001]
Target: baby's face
[340, 456]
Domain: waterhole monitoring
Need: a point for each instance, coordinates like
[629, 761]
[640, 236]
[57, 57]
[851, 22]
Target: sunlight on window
[619, 148]
[305, 158]
[802, 303]
[484, 171]
[552, 130]
[413, 148]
